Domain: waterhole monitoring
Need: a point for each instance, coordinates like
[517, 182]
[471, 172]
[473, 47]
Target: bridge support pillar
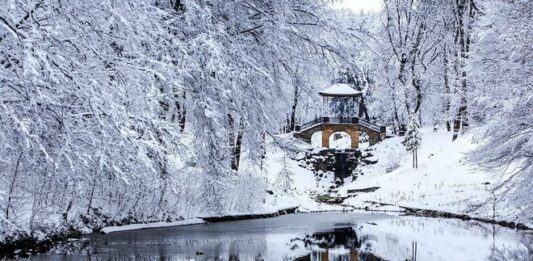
[354, 136]
[326, 132]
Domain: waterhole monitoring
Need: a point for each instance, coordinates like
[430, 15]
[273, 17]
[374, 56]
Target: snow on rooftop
[340, 89]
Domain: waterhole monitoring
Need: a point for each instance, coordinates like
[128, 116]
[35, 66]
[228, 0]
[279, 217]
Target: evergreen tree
[413, 139]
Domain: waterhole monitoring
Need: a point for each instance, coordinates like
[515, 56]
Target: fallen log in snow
[280, 212]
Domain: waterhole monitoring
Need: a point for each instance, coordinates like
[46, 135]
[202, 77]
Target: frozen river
[313, 236]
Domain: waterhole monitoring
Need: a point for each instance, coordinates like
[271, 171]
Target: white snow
[445, 180]
[292, 185]
[185, 222]
[340, 89]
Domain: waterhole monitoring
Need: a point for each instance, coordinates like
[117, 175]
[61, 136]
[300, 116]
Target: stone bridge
[353, 126]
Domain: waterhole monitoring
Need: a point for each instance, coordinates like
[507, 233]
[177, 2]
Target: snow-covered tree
[144, 109]
[413, 139]
[502, 70]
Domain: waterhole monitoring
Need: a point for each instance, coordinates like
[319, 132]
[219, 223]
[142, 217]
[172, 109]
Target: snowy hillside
[445, 179]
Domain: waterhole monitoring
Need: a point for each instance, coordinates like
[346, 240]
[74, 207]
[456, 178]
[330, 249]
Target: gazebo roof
[340, 89]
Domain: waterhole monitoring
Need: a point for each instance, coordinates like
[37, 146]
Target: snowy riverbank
[192, 221]
[445, 180]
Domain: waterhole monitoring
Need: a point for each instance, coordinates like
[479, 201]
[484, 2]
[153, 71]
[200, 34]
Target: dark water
[316, 236]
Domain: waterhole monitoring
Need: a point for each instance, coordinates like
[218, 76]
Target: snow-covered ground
[444, 180]
[292, 185]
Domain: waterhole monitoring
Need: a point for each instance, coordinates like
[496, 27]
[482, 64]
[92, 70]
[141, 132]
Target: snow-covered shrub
[392, 161]
[284, 180]
[245, 194]
[413, 138]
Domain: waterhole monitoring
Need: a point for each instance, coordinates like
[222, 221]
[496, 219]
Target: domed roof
[340, 89]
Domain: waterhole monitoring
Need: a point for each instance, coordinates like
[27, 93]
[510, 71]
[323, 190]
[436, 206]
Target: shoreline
[420, 212]
[28, 246]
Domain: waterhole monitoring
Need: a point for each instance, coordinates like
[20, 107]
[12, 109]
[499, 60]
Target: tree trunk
[415, 78]
[91, 195]
[263, 149]
[178, 6]
[446, 88]
[396, 116]
[414, 158]
[236, 157]
[235, 142]
[180, 108]
[460, 120]
[362, 109]
[12, 185]
[292, 119]
[403, 81]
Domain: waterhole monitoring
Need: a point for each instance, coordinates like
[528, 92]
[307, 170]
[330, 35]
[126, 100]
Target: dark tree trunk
[180, 106]
[179, 115]
[12, 185]
[463, 30]
[415, 79]
[363, 110]
[446, 88]
[178, 6]
[263, 148]
[403, 81]
[235, 142]
[396, 115]
[237, 149]
[292, 119]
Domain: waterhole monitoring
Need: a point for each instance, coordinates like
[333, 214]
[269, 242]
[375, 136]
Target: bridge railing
[372, 126]
[309, 123]
[342, 120]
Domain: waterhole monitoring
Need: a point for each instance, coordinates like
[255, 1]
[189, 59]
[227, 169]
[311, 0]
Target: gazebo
[339, 113]
[340, 102]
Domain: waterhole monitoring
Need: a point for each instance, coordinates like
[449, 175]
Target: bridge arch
[340, 140]
[364, 139]
[329, 129]
[316, 139]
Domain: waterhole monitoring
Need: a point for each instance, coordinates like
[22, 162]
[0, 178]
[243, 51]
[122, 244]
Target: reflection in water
[340, 244]
[317, 236]
[525, 253]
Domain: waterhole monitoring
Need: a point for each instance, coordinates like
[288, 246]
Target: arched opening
[340, 140]
[316, 139]
[364, 140]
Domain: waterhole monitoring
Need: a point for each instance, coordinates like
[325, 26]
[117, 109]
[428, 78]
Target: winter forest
[127, 112]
